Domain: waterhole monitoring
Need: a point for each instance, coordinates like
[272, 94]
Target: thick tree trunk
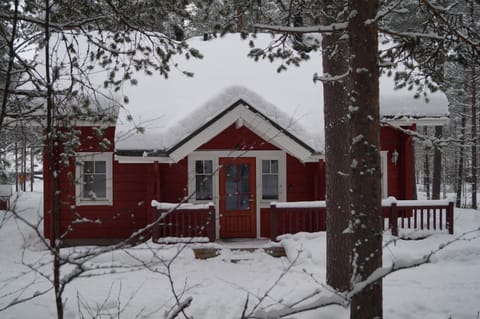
[366, 219]
[337, 145]
[437, 166]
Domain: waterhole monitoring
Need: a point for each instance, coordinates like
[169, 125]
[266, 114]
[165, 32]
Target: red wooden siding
[174, 181]
[237, 139]
[400, 175]
[305, 182]
[265, 227]
[127, 214]
[135, 185]
[132, 194]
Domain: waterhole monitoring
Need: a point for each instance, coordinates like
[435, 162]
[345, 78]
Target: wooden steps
[237, 253]
[235, 249]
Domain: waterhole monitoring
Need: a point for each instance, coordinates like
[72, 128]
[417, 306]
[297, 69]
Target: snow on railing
[419, 214]
[310, 216]
[168, 206]
[185, 221]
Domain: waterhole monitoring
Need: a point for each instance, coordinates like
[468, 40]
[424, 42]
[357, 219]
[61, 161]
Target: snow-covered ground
[449, 287]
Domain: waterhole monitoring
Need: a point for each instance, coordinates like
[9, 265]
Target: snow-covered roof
[172, 109]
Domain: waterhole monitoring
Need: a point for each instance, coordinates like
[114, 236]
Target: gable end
[255, 120]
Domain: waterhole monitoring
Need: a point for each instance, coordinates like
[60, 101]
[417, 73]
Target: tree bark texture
[366, 210]
[335, 55]
[474, 136]
[461, 159]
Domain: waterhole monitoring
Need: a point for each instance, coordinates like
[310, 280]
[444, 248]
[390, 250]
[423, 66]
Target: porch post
[211, 223]
[394, 219]
[273, 221]
[450, 218]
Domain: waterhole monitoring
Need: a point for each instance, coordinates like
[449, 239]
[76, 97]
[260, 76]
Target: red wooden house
[237, 151]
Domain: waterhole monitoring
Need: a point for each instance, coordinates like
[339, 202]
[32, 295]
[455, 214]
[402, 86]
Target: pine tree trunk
[365, 158]
[337, 144]
[474, 136]
[461, 159]
[437, 166]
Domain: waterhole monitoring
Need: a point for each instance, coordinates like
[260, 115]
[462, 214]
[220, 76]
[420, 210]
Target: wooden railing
[294, 217]
[183, 221]
[418, 215]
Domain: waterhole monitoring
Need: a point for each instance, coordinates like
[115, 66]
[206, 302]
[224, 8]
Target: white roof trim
[424, 121]
[255, 122]
[122, 159]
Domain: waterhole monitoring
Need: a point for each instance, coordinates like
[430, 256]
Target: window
[94, 178]
[269, 179]
[203, 180]
[384, 170]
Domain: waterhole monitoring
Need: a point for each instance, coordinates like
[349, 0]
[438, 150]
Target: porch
[199, 222]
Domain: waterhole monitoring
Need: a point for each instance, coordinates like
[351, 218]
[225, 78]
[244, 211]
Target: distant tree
[473, 85]
[217, 17]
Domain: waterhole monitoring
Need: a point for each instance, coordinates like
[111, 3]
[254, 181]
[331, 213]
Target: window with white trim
[384, 170]
[203, 180]
[270, 188]
[94, 179]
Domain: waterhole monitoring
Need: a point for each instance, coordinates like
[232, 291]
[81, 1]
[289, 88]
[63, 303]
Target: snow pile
[189, 206]
[448, 287]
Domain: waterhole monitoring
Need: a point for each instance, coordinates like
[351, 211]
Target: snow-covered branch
[341, 26]
[398, 265]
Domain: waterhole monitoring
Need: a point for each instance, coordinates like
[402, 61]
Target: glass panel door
[237, 203]
[237, 186]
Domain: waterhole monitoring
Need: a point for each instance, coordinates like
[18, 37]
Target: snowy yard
[449, 287]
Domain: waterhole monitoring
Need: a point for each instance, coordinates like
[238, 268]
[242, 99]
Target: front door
[237, 197]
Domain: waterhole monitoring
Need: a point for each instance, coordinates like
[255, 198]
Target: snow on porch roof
[172, 109]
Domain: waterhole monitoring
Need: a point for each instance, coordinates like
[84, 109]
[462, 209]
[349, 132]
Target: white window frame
[215, 155]
[282, 177]
[277, 174]
[93, 156]
[204, 174]
[384, 171]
